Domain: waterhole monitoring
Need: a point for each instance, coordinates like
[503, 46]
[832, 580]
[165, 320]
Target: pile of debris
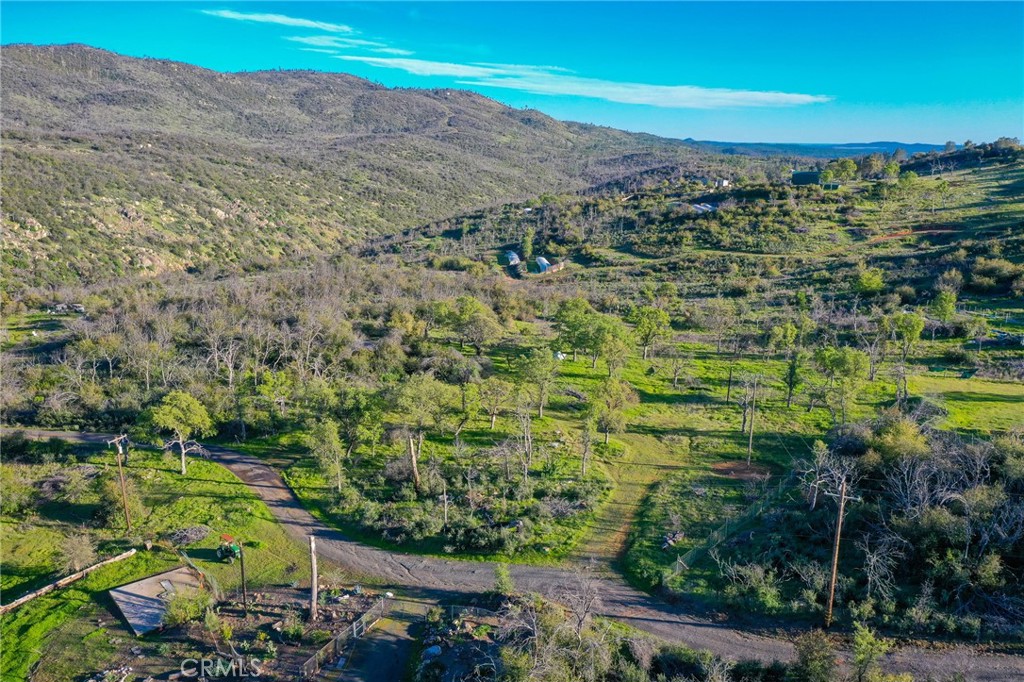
[187, 536]
[455, 646]
[561, 508]
[672, 538]
[51, 488]
[113, 675]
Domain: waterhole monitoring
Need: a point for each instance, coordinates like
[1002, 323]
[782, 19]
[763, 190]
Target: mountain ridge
[816, 150]
[155, 165]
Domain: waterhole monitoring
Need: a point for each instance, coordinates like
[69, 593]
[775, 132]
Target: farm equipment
[229, 549]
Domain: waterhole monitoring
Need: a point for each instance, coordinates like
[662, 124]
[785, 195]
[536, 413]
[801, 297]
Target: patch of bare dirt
[741, 471]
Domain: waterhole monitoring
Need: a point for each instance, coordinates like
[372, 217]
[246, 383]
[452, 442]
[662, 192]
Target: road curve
[450, 580]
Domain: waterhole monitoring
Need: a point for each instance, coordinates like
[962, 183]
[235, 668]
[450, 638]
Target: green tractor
[229, 549]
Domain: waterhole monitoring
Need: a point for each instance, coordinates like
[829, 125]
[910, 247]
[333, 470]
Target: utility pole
[753, 406]
[444, 499]
[313, 596]
[835, 549]
[245, 592]
[121, 441]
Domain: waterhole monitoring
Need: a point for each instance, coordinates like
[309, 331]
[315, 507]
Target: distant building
[832, 185]
[546, 266]
[806, 178]
[703, 208]
[513, 257]
[722, 183]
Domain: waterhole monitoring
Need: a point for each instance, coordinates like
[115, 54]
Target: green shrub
[111, 507]
[187, 607]
[292, 630]
[816, 659]
[503, 583]
[319, 636]
[16, 491]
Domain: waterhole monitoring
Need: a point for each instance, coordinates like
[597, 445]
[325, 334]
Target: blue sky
[787, 72]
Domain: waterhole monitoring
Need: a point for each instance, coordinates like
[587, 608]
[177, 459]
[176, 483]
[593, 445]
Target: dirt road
[451, 581]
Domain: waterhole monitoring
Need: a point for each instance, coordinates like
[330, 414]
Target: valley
[613, 391]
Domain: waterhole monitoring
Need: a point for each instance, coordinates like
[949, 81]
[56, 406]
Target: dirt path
[633, 475]
[450, 581]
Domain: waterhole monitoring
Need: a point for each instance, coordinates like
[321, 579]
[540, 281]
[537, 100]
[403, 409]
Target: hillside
[715, 374]
[760, 237]
[115, 164]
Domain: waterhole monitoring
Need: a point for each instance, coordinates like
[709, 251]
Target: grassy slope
[64, 623]
[677, 437]
[115, 165]
[974, 405]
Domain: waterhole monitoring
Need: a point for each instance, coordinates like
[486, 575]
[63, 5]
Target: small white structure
[543, 263]
[722, 183]
[559, 355]
[513, 257]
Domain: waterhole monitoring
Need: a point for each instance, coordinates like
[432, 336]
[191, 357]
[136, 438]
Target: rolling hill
[114, 165]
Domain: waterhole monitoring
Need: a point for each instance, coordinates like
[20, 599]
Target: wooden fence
[64, 582]
[332, 651]
[456, 611]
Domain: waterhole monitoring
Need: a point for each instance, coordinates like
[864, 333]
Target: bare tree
[825, 471]
[882, 554]
[581, 596]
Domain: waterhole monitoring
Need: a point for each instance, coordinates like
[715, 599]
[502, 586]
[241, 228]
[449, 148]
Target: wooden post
[245, 591]
[444, 498]
[124, 490]
[835, 554]
[313, 596]
[119, 442]
[753, 408]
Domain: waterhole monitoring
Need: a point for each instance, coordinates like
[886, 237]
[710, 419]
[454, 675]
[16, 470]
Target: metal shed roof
[144, 602]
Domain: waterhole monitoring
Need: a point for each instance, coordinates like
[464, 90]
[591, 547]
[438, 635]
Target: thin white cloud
[348, 43]
[524, 69]
[423, 67]
[333, 41]
[392, 50]
[668, 96]
[542, 80]
[318, 49]
[280, 19]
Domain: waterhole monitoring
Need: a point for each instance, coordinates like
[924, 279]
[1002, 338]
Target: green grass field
[58, 635]
[974, 405]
